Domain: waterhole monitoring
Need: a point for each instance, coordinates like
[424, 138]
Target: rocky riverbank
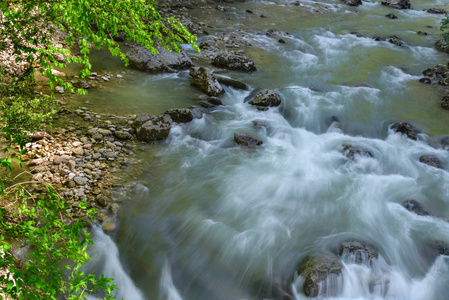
[88, 149]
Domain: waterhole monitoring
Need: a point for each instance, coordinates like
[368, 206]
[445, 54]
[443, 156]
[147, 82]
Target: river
[216, 221]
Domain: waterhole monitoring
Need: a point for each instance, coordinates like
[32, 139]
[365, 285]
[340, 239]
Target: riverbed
[216, 221]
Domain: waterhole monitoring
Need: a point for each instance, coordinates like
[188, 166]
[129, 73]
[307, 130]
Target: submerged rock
[247, 140]
[232, 82]
[399, 4]
[415, 207]
[166, 61]
[391, 16]
[267, 98]
[440, 11]
[432, 161]
[352, 152]
[360, 252]
[425, 80]
[406, 128]
[234, 61]
[315, 270]
[155, 128]
[352, 2]
[204, 80]
[180, 115]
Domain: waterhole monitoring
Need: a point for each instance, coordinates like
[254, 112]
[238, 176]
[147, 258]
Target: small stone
[113, 207]
[98, 137]
[78, 151]
[123, 135]
[109, 226]
[71, 176]
[61, 159]
[101, 200]
[35, 162]
[104, 132]
[80, 180]
[102, 217]
[110, 154]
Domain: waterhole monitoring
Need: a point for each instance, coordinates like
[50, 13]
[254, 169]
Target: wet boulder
[267, 98]
[140, 119]
[445, 102]
[432, 161]
[442, 45]
[406, 128]
[246, 140]
[232, 82]
[425, 80]
[155, 128]
[352, 152]
[180, 115]
[234, 61]
[165, 61]
[415, 207]
[395, 40]
[352, 2]
[315, 270]
[391, 16]
[439, 11]
[203, 79]
[399, 4]
[358, 252]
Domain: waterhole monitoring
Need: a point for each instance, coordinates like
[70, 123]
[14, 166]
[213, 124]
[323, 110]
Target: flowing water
[222, 222]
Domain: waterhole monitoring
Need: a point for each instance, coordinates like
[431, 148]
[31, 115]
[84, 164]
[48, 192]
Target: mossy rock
[316, 269]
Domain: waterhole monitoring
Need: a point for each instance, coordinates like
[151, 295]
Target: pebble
[80, 180]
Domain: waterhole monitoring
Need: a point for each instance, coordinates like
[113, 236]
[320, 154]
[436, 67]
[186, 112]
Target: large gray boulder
[234, 61]
[155, 128]
[399, 4]
[165, 61]
[315, 270]
[203, 79]
[267, 98]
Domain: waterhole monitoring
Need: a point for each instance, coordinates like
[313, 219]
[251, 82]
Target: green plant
[27, 28]
[58, 245]
[445, 27]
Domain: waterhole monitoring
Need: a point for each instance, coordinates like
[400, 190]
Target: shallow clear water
[222, 222]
